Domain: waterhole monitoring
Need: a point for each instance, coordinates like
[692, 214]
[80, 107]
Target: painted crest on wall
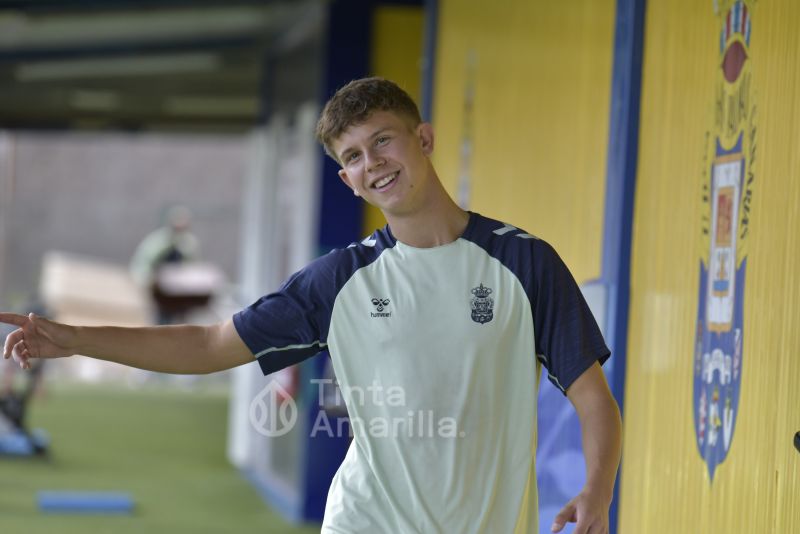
[727, 194]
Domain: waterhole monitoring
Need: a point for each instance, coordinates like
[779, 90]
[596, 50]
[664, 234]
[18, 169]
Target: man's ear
[425, 134]
[346, 179]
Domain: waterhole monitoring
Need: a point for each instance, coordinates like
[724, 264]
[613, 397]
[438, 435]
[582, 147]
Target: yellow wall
[665, 483]
[542, 77]
[397, 48]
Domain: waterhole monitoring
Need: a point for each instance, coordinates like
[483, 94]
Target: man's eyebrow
[380, 131]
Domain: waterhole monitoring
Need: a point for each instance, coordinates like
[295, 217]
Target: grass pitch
[166, 448]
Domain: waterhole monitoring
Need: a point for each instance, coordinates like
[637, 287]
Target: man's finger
[12, 339]
[7, 347]
[13, 318]
[584, 525]
[566, 514]
[596, 529]
[589, 525]
[21, 354]
[22, 348]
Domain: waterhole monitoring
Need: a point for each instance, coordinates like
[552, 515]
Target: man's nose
[374, 161]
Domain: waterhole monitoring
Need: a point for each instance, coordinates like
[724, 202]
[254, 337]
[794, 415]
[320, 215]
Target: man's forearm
[601, 430]
[180, 349]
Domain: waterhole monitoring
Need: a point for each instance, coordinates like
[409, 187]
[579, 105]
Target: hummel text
[380, 306]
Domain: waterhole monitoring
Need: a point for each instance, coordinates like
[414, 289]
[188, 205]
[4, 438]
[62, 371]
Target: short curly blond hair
[356, 101]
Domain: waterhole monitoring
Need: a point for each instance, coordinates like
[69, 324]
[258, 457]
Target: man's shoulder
[340, 263]
[504, 240]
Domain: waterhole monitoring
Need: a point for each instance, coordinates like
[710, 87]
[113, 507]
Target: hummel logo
[380, 305]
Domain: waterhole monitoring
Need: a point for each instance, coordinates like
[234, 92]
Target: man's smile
[383, 183]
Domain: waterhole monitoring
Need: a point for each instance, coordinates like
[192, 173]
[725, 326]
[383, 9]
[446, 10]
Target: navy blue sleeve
[568, 340]
[291, 324]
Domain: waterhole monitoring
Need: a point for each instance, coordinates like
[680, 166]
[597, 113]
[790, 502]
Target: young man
[443, 314]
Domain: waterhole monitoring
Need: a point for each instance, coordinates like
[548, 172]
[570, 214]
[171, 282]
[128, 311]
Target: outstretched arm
[601, 431]
[180, 349]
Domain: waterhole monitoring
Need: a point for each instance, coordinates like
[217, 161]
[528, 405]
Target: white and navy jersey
[437, 353]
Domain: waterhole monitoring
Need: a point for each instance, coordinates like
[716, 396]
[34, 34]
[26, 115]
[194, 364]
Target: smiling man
[451, 311]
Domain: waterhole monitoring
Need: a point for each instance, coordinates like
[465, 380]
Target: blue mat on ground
[85, 502]
[17, 443]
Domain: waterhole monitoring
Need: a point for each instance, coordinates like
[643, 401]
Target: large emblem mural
[727, 194]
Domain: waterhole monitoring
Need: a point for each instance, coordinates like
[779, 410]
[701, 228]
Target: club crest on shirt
[728, 178]
[482, 304]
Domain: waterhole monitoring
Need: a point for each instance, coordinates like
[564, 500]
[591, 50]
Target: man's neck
[441, 221]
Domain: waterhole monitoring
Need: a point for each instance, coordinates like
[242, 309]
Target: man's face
[385, 161]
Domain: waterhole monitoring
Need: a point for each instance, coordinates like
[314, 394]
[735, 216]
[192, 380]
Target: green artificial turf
[165, 448]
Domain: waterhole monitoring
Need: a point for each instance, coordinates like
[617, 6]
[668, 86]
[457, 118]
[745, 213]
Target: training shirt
[437, 353]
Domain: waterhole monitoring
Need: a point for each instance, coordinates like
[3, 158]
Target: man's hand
[601, 431]
[589, 510]
[36, 337]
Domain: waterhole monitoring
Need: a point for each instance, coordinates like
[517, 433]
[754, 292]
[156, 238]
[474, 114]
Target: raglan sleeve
[290, 325]
[568, 340]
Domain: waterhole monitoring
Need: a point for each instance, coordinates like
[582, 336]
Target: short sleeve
[568, 340]
[289, 325]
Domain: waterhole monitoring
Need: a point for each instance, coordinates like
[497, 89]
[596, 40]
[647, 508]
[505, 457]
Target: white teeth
[385, 181]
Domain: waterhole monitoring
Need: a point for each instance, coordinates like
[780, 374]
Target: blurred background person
[173, 242]
[157, 265]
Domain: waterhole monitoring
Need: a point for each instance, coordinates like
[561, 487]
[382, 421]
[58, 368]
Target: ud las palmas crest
[727, 195]
[482, 304]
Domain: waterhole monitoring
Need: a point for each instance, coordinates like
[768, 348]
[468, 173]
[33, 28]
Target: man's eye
[352, 156]
[381, 140]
